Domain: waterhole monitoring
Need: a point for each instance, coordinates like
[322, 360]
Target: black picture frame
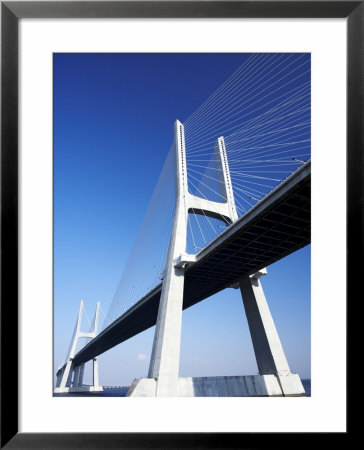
[11, 12]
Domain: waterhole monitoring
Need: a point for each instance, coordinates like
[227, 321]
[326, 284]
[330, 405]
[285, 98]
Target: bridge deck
[275, 227]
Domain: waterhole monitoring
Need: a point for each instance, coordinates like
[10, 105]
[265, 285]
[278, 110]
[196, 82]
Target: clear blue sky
[113, 126]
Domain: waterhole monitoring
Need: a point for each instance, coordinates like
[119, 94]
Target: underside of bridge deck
[277, 226]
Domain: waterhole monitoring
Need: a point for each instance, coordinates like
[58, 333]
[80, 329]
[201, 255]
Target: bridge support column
[268, 349]
[76, 376]
[267, 345]
[66, 376]
[80, 375]
[95, 373]
[166, 346]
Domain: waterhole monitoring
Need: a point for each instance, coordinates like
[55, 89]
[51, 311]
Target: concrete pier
[226, 386]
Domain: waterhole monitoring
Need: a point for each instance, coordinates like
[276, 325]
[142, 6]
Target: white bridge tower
[69, 376]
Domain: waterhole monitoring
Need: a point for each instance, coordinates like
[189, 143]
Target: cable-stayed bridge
[232, 198]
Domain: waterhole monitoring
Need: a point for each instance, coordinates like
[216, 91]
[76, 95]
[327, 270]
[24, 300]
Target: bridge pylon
[275, 377]
[70, 376]
[164, 364]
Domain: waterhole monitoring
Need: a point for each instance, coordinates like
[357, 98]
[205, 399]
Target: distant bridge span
[275, 227]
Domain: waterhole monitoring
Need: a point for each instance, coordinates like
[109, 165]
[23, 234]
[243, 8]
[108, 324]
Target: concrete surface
[226, 386]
